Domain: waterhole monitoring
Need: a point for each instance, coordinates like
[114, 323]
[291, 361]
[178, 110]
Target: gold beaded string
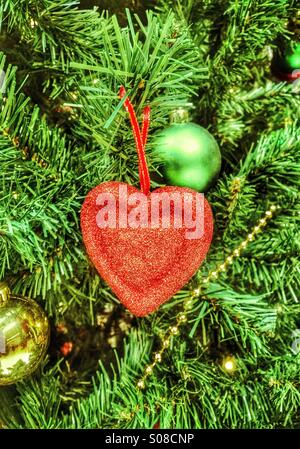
[212, 275]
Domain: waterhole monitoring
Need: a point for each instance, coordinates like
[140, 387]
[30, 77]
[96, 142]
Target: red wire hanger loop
[140, 137]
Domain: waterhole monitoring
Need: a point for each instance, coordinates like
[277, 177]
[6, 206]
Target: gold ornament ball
[24, 336]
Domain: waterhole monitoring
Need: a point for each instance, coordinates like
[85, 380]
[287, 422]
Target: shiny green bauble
[287, 60]
[190, 156]
[293, 59]
[24, 336]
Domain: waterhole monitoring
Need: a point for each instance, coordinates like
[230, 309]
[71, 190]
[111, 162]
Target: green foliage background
[64, 65]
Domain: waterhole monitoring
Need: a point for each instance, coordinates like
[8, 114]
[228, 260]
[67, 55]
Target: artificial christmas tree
[220, 353]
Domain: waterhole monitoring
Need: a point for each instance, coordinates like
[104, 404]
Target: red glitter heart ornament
[145, 245]
[144, 266]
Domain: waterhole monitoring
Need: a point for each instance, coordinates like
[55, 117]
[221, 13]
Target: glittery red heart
[144, 266]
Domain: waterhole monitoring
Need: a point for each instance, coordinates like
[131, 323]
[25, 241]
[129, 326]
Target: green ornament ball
[293, 59]
[190, 156]
[287, 60]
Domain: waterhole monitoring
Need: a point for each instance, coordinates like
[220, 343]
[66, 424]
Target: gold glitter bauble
[24, 336]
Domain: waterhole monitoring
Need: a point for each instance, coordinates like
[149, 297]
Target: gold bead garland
[229, 364]
[181, 318]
